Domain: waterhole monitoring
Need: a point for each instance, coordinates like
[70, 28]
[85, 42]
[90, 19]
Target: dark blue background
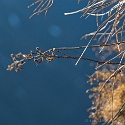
[50, 93]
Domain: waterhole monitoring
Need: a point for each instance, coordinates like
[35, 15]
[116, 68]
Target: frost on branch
[38, 56]
[41, 6]
[111, 26]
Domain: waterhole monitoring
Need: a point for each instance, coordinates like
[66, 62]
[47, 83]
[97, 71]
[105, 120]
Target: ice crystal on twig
[41, 5]
[111, 27]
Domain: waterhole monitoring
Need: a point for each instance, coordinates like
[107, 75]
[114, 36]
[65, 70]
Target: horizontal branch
[39, 56]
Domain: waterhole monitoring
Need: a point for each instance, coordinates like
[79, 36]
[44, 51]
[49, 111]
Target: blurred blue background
[50, 93]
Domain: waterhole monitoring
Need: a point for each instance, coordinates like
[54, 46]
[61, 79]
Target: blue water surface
[50, 93]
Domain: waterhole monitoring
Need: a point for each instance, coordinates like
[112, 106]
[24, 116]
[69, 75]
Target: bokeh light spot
[14, 20]
[55, 31]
